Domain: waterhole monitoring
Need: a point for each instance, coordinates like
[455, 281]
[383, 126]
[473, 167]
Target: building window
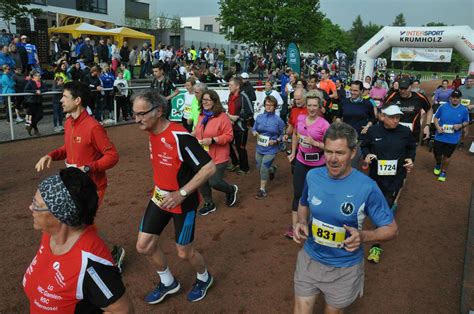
[208, 27]
[40, 2]
[95, 6]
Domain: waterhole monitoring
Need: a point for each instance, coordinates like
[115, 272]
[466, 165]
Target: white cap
[244, 75]
[392, 110]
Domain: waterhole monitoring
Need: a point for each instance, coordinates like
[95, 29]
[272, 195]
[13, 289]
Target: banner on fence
[421, 54]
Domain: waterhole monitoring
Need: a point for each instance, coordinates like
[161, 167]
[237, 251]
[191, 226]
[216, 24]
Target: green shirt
[195, 112]
[126, 75]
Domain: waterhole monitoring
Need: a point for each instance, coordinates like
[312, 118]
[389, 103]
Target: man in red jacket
[86, 145]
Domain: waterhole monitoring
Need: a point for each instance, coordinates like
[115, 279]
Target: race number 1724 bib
[158, 196]
[327, 234]
[387, 167]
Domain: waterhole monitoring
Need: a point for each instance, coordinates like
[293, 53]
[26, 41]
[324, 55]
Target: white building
[203, 23]
[102, 13]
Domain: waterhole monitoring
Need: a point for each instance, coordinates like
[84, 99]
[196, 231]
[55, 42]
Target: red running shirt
[82, 280]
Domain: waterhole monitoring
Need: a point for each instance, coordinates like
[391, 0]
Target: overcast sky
[343, 12]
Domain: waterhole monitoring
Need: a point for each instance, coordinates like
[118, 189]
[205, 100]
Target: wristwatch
[183, 193]
[87, 169]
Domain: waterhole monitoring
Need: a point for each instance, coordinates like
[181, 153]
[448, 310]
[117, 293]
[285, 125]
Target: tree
[357, 33]
[268, 23]
[162, 21]
[330, 37]
[175, 24]
[13, 9]
[399, 20]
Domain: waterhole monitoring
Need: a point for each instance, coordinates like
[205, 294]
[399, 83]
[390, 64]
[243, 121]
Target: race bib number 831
[327, 234]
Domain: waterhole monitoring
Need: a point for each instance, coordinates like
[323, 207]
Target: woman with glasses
[73, 270]
[268, 129]
[214, 133]
[307, 147]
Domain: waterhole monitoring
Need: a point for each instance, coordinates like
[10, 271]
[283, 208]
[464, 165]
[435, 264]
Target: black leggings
[36, 112]
[299, 177]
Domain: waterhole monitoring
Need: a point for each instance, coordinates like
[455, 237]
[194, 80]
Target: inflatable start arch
[460, 38]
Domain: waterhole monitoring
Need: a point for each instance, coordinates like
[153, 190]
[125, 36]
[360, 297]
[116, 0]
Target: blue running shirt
[334, 203]
[448, 116]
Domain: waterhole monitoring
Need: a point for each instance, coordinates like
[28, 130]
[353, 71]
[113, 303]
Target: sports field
[253, 264]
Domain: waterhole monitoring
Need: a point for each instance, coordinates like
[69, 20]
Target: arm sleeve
[59, 153]
[102, 284]
[255, 125]
[102, 143]
[227, 132]
[365, 143]
[439, 112]
[411, 146]
[304, 196]
[245, 110]
[426, 105]
[377, 207]
[192, 153]
[371, 113]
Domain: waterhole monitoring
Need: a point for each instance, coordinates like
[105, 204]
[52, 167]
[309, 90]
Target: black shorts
[155, 220]
[390, 197]
[444, 149]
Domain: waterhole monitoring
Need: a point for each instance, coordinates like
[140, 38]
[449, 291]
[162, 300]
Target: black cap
[404, 83]
[456, 93]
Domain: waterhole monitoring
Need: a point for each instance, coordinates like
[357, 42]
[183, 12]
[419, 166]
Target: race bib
[301, 139]
[387, 167]
[335, 107]
[408, 125]
[187, 109]
[327, 234]
[465, 102]
[158, 196]
[263, 140]
[448, 128]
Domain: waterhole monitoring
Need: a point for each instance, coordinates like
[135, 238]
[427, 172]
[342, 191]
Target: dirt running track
[253, 264]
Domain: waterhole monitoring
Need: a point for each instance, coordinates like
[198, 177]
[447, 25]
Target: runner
[180, 166]
[330, 217]
[214, 133]
[268, 129]
[240, 110]
[389, 148]
[358, 113]
[467, 91]
[162, 84]
[449, 120]
[73, 270]
[199, 89]
[86, 146]
[416, 108]
[306, 147]
[269, 91]
[189, 96]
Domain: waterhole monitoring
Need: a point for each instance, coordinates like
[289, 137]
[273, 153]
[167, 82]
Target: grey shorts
[340, 285]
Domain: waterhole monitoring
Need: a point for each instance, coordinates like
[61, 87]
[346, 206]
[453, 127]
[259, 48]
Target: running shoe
[207, 208]
[199, 290]
[231, 197]
[232, 167]
[442, 176]
[374, 254]
[437, 170]
[261, 194]
[289, 233]
[118, 254]
[161, 291]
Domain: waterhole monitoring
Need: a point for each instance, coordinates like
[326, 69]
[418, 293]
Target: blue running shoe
[161, 291]
[198, 292]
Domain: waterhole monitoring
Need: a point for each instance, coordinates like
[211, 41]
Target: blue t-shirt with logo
[448, 116]
[334, 203]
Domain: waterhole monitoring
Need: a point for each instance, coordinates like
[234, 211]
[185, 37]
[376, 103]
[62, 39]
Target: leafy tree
[162, 21]
[399, 20]
[12, 9]
[175, 24]
[268, 23]
[330, 37]
[357, 33]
